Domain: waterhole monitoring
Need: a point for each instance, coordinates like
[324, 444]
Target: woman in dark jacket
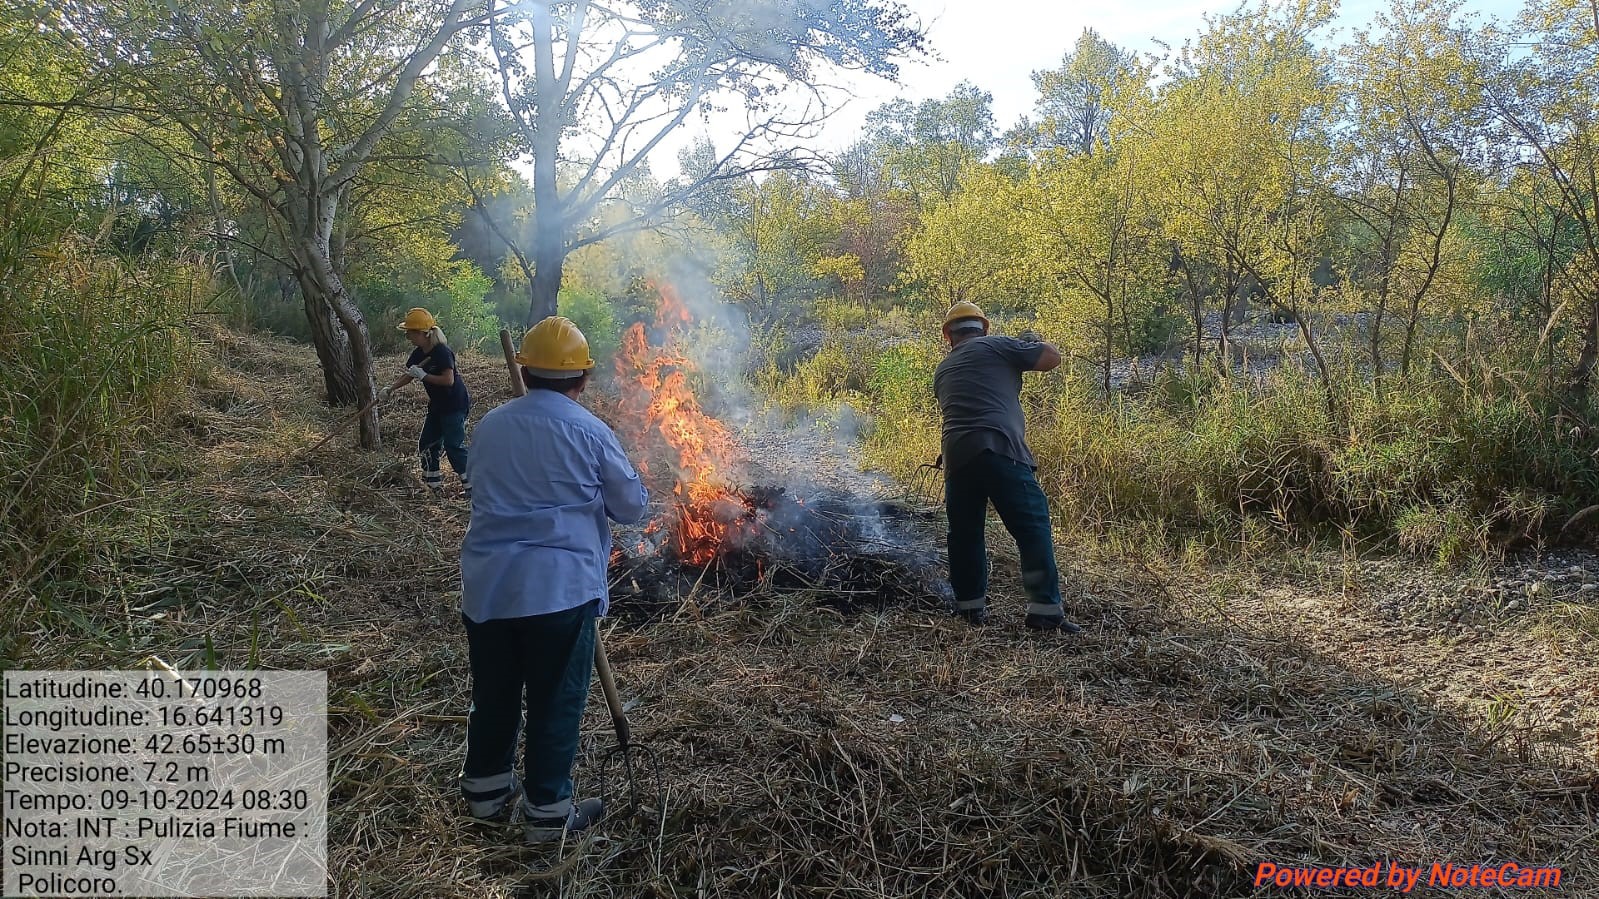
[444, 429]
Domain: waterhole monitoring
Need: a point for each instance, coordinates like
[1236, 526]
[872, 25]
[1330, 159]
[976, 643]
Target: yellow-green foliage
[849, 361]
[973, 247]
[906, 426]
[820, 382]
[1442, 472]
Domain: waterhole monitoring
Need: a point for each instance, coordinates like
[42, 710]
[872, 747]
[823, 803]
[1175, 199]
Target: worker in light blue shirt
[548, 478]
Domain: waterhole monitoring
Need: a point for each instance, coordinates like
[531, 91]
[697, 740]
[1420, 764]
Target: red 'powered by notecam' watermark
[1404, 878]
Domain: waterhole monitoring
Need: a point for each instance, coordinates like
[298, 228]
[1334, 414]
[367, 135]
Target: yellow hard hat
[964, 310]
[555, 348]
[419, 319]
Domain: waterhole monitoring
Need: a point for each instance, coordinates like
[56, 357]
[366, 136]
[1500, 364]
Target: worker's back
[979, 386]
[547, 475]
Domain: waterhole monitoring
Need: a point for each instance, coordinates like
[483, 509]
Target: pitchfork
[635, 759]
[929, 479]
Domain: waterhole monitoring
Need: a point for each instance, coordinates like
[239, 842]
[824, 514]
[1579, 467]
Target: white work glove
[386, 392]
[416, 371]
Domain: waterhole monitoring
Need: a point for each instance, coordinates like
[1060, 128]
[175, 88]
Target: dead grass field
[1203, 723]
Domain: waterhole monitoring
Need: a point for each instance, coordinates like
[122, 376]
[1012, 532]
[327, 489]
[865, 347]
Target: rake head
[929, 481]
[640, 771]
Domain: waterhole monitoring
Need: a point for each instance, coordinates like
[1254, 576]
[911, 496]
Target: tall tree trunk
[223, 245]
[1107, 292]
[1433, 265]
[1195, 305]
[354, 324]
[549, 255]
[1110, 357]
[332, 345]
[1390, 244]
[337, 327]
[1199, 333]
[1233, 298]
[1302, 318]
[549, 207]
[1547, 296]
[1374, 333]
[1407, 348]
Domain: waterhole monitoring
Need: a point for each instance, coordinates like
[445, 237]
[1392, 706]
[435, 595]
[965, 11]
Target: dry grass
[1186, 736]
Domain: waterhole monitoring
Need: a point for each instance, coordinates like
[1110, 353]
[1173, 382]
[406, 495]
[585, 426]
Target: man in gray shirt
[986, 459]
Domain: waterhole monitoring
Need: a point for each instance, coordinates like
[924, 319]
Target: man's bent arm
[1048, 358]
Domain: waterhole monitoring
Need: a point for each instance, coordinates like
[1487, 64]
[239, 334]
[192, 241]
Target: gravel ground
[1524, 585]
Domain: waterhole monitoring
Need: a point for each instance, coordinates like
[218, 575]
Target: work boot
[1051, 623]
[546, 830]
[973, 617]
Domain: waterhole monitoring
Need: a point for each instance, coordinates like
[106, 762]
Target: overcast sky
[998, 44]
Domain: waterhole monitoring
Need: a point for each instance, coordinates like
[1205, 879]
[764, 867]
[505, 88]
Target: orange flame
[662, 419]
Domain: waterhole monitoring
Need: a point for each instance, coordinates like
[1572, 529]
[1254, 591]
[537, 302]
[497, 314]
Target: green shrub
[1154, 330]
[591, 311]
[1449, 530]
[467, 316]
[830, 376]
[905, 428]
[383, 306]
[460, 304]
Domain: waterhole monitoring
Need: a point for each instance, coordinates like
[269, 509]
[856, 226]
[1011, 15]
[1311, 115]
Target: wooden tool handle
[624, 734]
[517, 387]
[344, 421]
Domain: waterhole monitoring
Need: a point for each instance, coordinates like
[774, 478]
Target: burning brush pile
[715, 535]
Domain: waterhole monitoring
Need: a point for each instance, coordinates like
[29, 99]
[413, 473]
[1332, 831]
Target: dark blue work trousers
[442, 433]
[1015, 493]
[539, 665]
